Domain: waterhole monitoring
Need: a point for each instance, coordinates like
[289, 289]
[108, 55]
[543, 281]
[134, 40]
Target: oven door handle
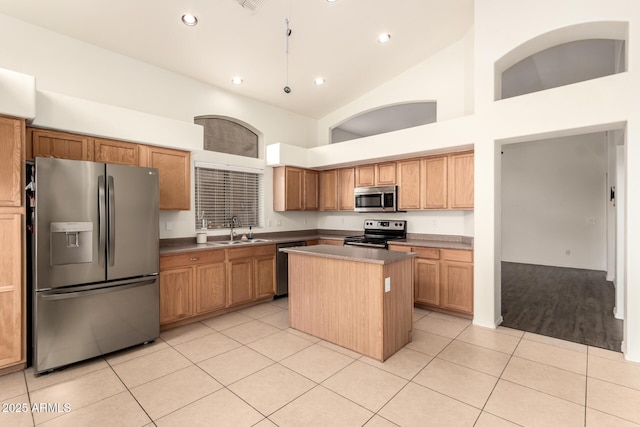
[367, 245]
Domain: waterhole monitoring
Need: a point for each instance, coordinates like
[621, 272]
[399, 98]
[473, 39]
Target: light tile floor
[249, 368]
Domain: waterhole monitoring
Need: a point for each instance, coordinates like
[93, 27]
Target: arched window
[562, 57]
[226, 136]
[385, 119]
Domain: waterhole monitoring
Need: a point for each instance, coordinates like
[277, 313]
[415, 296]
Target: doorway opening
[562, 271]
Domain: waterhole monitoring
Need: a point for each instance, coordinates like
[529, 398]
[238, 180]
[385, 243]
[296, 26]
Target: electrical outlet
[387, 284]
[168, 226]
[269, 223]
[278, 222]
[567, 252]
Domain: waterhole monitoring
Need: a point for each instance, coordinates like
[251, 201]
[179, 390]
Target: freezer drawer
[89, 321]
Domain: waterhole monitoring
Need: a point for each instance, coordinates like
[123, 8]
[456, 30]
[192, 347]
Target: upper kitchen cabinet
[11, 142]
[294, 189]
[174, 167]
[461, 176]
[433, 177]
[328, 186]
[366, 176]
[409, 184]
[118, 152]
[378, 174]
[386, 173]
[346, 183]
[310, 190]
[62, 145]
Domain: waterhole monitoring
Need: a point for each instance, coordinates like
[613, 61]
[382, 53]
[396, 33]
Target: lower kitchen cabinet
[240, 281]
[427, 281]
[198, 283]
[12, 308]
[191, 284]
[456, 283]
[443, 278]
[176, 289]
[265, 276]
[210, 287]
[252, 273]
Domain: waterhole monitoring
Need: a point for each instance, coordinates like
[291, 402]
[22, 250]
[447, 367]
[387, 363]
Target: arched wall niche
[229, 135]
[387, 118]
[563, 56]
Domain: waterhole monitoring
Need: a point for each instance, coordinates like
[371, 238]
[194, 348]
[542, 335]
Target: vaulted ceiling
[334, 40]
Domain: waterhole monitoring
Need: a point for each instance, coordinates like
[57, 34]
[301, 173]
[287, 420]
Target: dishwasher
[282, 267]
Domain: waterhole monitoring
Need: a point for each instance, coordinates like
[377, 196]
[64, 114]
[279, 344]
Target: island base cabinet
[345, 302]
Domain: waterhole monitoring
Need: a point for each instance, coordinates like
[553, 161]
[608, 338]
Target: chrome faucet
[233, 222]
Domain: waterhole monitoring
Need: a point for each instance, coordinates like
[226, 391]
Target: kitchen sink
[237, 242]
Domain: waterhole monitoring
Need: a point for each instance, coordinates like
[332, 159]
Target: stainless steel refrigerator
[95, 260]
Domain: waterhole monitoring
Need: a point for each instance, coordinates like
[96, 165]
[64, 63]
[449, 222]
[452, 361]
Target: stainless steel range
[378, 232]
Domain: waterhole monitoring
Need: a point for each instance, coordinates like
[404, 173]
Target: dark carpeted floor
[567, 303]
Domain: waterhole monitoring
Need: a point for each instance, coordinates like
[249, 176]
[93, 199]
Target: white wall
[442, 78]
[553, 202]
[432, 222]
[68, 68]
[602, 104]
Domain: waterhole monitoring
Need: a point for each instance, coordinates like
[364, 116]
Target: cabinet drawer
[251, 251]
[428, 253]
[457, 255]
[191, 258]
[400, 248]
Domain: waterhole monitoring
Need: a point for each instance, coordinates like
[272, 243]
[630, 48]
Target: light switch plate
[387, 284]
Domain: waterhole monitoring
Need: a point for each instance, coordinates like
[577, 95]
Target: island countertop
[352, 253]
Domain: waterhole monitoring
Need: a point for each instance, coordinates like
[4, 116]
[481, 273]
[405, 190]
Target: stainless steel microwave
[376, 199]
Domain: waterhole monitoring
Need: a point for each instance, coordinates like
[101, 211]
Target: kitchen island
[355, 297]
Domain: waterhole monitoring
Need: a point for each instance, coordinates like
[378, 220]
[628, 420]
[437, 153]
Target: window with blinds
[222, 194]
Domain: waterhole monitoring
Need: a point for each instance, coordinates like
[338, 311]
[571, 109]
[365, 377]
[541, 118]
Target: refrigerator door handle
[69, 295]
[102, 224]
[111, 252]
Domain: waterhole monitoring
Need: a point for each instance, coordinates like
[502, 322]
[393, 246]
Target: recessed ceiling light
[236, 80]
[331, 1]
[189, 19]
[319, 80]
[383, 38]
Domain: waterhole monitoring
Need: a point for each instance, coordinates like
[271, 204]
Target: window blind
[222, 194]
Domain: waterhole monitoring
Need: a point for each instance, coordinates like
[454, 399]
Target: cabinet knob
[194, 258]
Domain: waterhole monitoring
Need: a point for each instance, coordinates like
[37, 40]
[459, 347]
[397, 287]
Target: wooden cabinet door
[265, 276]
[332, 242]
[210, 287]
[461, 176]
[117, 152]
[310, 187]
[240, 281]
[293, 189]
[11, 297]
[328, 187]
[176, 286]
[62, 145]
[457, 286]
[365, 176]
[427, 281]
[174, 168]
[433, 177]
[408, 184]
[346, 182]
[11, 161]
[386, 174]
